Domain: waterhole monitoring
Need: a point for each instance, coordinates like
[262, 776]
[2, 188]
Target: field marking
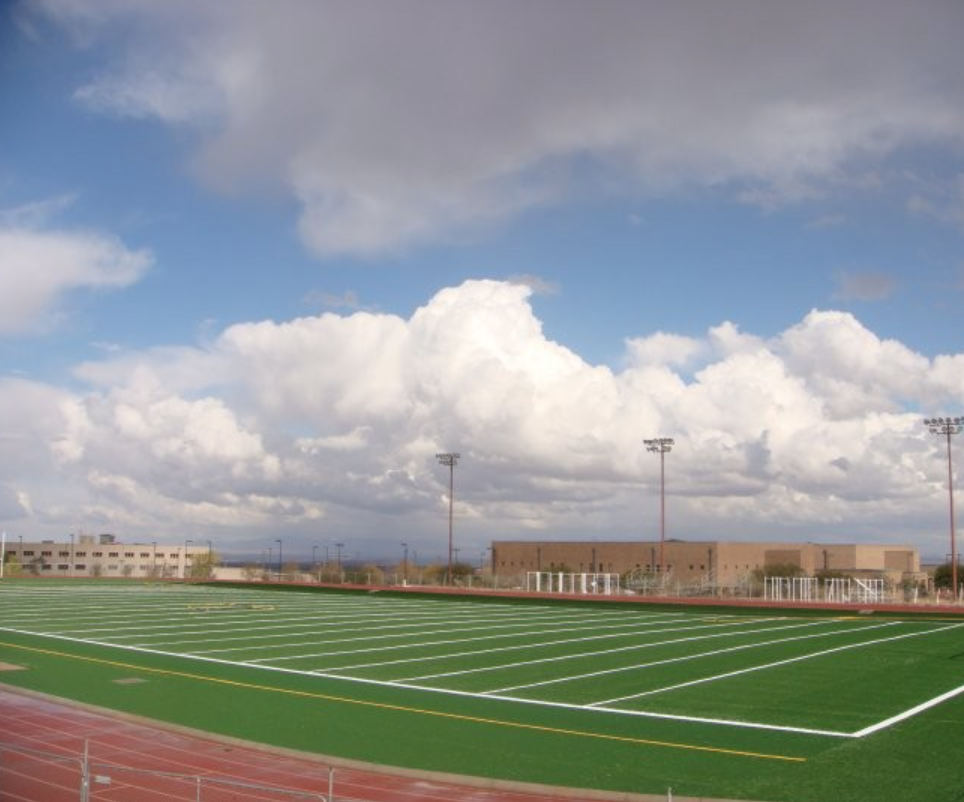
[857, 734]
[581, 655]
[452, 655]
[684, 658]
[446, 691]
[913, 711]
[776, 664]
[563, 626]
[243, 617]
[419, 711]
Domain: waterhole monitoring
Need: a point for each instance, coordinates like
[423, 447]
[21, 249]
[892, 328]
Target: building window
[98, 554]
[63, 567]
[691, 566]
[64, 554]
[45, 567]
[144, 555]
[80, 567]
[46, 554]
[128, 554]
[81, 553]
[112, 554]
[28, 554]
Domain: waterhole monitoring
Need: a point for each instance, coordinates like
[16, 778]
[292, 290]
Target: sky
[261, 261]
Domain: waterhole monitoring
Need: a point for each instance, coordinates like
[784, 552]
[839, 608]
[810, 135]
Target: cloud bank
[395, 124]
[326, 427]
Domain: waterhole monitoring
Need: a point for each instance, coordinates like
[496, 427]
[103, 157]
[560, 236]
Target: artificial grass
[916, 760]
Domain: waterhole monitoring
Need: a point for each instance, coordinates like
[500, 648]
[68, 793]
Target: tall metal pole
[948, 427]
[279, 559]
[450, 459]
[661, 446]
[405, 562]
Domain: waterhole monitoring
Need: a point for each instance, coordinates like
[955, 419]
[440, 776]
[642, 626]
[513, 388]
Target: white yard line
[580, 655]
[531, 645]
[563, 625]
[467, 694]
[425, 644]
[913, 711]
[498, 694]
[775, 664]
[684, 658]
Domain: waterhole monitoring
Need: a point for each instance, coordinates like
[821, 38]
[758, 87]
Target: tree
[11, 565]
[461, 570]
[203, 565]
[786, 570]
[371, 574]
[290, 572]
[943, 575]
[251, 571]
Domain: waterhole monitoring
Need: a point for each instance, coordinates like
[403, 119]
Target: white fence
[844, 590]
[577, 584]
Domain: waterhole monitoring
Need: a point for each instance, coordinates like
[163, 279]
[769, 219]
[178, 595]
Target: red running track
[56, 727]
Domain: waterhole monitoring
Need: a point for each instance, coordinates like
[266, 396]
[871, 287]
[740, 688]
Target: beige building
[722, 561]
[103, 555]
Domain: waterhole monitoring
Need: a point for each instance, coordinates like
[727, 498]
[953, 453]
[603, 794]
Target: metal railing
[33, 775]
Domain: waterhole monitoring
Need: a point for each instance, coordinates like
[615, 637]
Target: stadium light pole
[278, 541]
[661, 446]
[405, 563]
[450, 460]
[339, 546]
[949, 427]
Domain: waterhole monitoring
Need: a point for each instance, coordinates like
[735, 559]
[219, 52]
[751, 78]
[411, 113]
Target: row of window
[639, 566]
[83, 567]
[144, 555]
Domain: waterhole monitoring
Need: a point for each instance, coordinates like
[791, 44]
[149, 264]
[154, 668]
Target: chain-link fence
[32, 775]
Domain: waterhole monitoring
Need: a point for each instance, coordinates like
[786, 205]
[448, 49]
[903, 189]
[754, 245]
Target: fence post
[331, 784]
[85, 772]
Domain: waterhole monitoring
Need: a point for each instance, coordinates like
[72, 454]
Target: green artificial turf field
[754, 704]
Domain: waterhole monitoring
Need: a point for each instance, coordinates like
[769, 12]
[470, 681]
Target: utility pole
[450, 460]
[949, 427]
[661, 446]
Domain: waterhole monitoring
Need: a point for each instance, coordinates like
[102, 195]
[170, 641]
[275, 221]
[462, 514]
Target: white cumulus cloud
[334, 421]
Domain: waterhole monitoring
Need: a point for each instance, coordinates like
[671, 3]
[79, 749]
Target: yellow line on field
[416, 710]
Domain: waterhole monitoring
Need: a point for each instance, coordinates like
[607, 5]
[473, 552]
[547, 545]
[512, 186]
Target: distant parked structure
[103, 555]
[721, 562]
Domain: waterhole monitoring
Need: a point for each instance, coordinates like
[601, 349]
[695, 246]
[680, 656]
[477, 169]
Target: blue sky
[557, 208]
